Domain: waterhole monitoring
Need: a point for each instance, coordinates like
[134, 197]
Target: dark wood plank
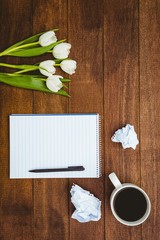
[16, 211]
[50, 195]
[86, 36]
[121, 91]
[150, 114]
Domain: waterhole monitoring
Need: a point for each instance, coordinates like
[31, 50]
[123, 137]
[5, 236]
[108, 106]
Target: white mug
[119, 187]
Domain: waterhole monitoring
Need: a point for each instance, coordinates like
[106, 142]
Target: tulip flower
[33, 46]
[68, 66]
[53, 83]
[47, 38]
[61, 50]
[47, 68]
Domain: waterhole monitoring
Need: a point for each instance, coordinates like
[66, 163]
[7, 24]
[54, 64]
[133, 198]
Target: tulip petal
[47, 68]
[53, 83]
[61, 50]
[68, 66]
[47, 38]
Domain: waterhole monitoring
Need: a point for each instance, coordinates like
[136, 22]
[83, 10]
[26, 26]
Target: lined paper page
[54, 141]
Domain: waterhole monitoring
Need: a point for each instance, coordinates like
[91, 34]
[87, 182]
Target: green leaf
[32, 52]
[28, 82]
[28, 40]
[65, 80]
[32, 39]
[63, 93]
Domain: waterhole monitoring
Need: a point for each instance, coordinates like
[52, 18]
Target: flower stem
[5, 52]
[64, 86]
[27, 70]
[8, 65]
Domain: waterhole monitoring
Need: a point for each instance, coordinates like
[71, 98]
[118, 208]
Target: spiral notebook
[57, 141]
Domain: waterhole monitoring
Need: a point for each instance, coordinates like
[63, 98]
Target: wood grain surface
[16, 199]
[116, 46]
[149, 111]
[86, 35]
[121, 102]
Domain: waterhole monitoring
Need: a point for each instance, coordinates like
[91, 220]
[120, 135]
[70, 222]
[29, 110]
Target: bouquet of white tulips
[46, 81]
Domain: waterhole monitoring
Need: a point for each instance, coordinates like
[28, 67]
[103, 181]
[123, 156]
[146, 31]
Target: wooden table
[116, 45]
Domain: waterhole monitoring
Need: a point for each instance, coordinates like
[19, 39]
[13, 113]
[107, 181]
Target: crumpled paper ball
[127, 136]
[88, 207]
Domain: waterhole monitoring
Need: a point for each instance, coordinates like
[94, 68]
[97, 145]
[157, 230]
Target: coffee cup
[129, 203]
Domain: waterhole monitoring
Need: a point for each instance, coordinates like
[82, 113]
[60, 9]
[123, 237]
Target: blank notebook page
[54, 141]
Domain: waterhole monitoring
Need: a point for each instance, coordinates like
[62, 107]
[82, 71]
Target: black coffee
[130, 204]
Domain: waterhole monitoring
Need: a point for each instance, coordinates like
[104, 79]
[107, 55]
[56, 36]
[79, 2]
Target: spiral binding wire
[98, 147]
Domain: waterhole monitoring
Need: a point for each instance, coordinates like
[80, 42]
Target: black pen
[68, 169]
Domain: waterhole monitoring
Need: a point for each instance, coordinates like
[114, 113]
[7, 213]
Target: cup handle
[115, 181]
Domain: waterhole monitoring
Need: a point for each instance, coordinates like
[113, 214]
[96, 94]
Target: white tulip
[47, 68]
[47, 38]
[61, 50]
[53, 83]
[68, 66]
